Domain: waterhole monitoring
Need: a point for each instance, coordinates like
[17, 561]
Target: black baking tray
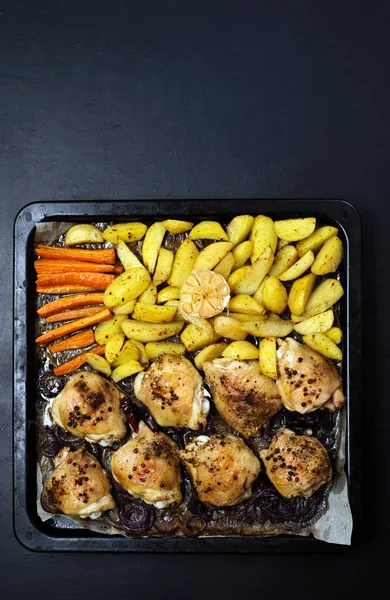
[29, 529]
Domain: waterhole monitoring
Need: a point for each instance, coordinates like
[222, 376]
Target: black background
[168, 99]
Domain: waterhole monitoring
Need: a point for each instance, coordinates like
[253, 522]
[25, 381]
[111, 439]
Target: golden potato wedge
[335, 334]
[168, 293]
[267, 357]
[212, 255]
[183, 263]
[258, 295]
[194, 338]
[151, 245]
[174, 226]
[263, 234]
[268, 327]
[327, 293]
[106, 329]
[128, 232]
[281, 244]
[316, 239]
[153, 313]
[293, 230]
[126, 308]
[113, 347]
[143, 357]
[149, 296]
[163, 266]
[329, 257]
[247, 279]
[229, 328]
[126, 369]
[239, 228]
[209, 353]
[98, 363]
[127, 257]
[127, 286]
[208, 230]
[324, 345]
[129, 352]
[320, 323]
[274, 295]
[154, 349]
[300, 293]
[225, 267]
[142, 331]
[243, 303]
[242, 317]
[298, 268]
[241, 351]
[83, 234]
[284, 259]
[242, 253]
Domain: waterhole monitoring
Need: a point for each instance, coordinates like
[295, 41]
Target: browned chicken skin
[148, 467]
[172, 390]
[307, 379]
[297, 465]
[244, 397]
[89, 407]
[222, 468]
[78, 485]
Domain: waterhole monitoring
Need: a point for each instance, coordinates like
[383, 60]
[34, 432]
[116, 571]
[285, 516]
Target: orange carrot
[73, 342]
[98, 281]
[64, 289]
[76, 362]
[71, 315]
[45, 265]
[96, 256]
[58, 332]
[62, 304]
[118, 269]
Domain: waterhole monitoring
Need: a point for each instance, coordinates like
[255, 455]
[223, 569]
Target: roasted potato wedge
[98, 363]
[143, 357]
[267, 357]
[325, 295]
[83, 233]
[209, 353]
[263, 235]
[293, 230]
[324, 345]
[298, 268]
[208, 230]
[242, 253]
[300, 293]
[113, 347]
[281, 244]
[126, 369]
[241, 351]
[128, 232]
[107, 329]
[126, 286]
[183, 263]
[194, 338]
[163, 266]
[316, 239]
[335, 334]
[258, 295]
[320, 323]
[268, 327]
[151, 245]
[153, 349]
[329, 257]
[168, 293]
[284, 259]
[126, 308]
[153, 313]
[143, 331]
[129, 352]
[247, 279]
[243, 303]
[274, 295]
[225, 267]
[175, 227]
[149, 296]
[212, 255]
[127, 257]
[239, 228]
[229, 328]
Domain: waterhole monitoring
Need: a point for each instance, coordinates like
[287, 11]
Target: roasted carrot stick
[62, 304]
[76, 362]
[96, 256]
[45, 265]
[58, 332]
[71, 315]
[64, 289]
[73, 342]
[118, 269]
[98, 281]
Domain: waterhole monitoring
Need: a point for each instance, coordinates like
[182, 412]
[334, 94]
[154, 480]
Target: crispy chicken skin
[222, 468]
[243, 396]
[297, 465]
[78, 485]
[148, 467]
[307, 380]
[172, 390]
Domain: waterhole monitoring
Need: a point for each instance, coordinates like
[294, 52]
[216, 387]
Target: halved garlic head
[204, 293]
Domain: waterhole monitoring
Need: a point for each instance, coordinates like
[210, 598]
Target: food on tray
[222, 468]
[293, 230]
[329, 257]
[83, 233]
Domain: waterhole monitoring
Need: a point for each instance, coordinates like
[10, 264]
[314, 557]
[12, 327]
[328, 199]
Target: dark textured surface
[162, 99]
